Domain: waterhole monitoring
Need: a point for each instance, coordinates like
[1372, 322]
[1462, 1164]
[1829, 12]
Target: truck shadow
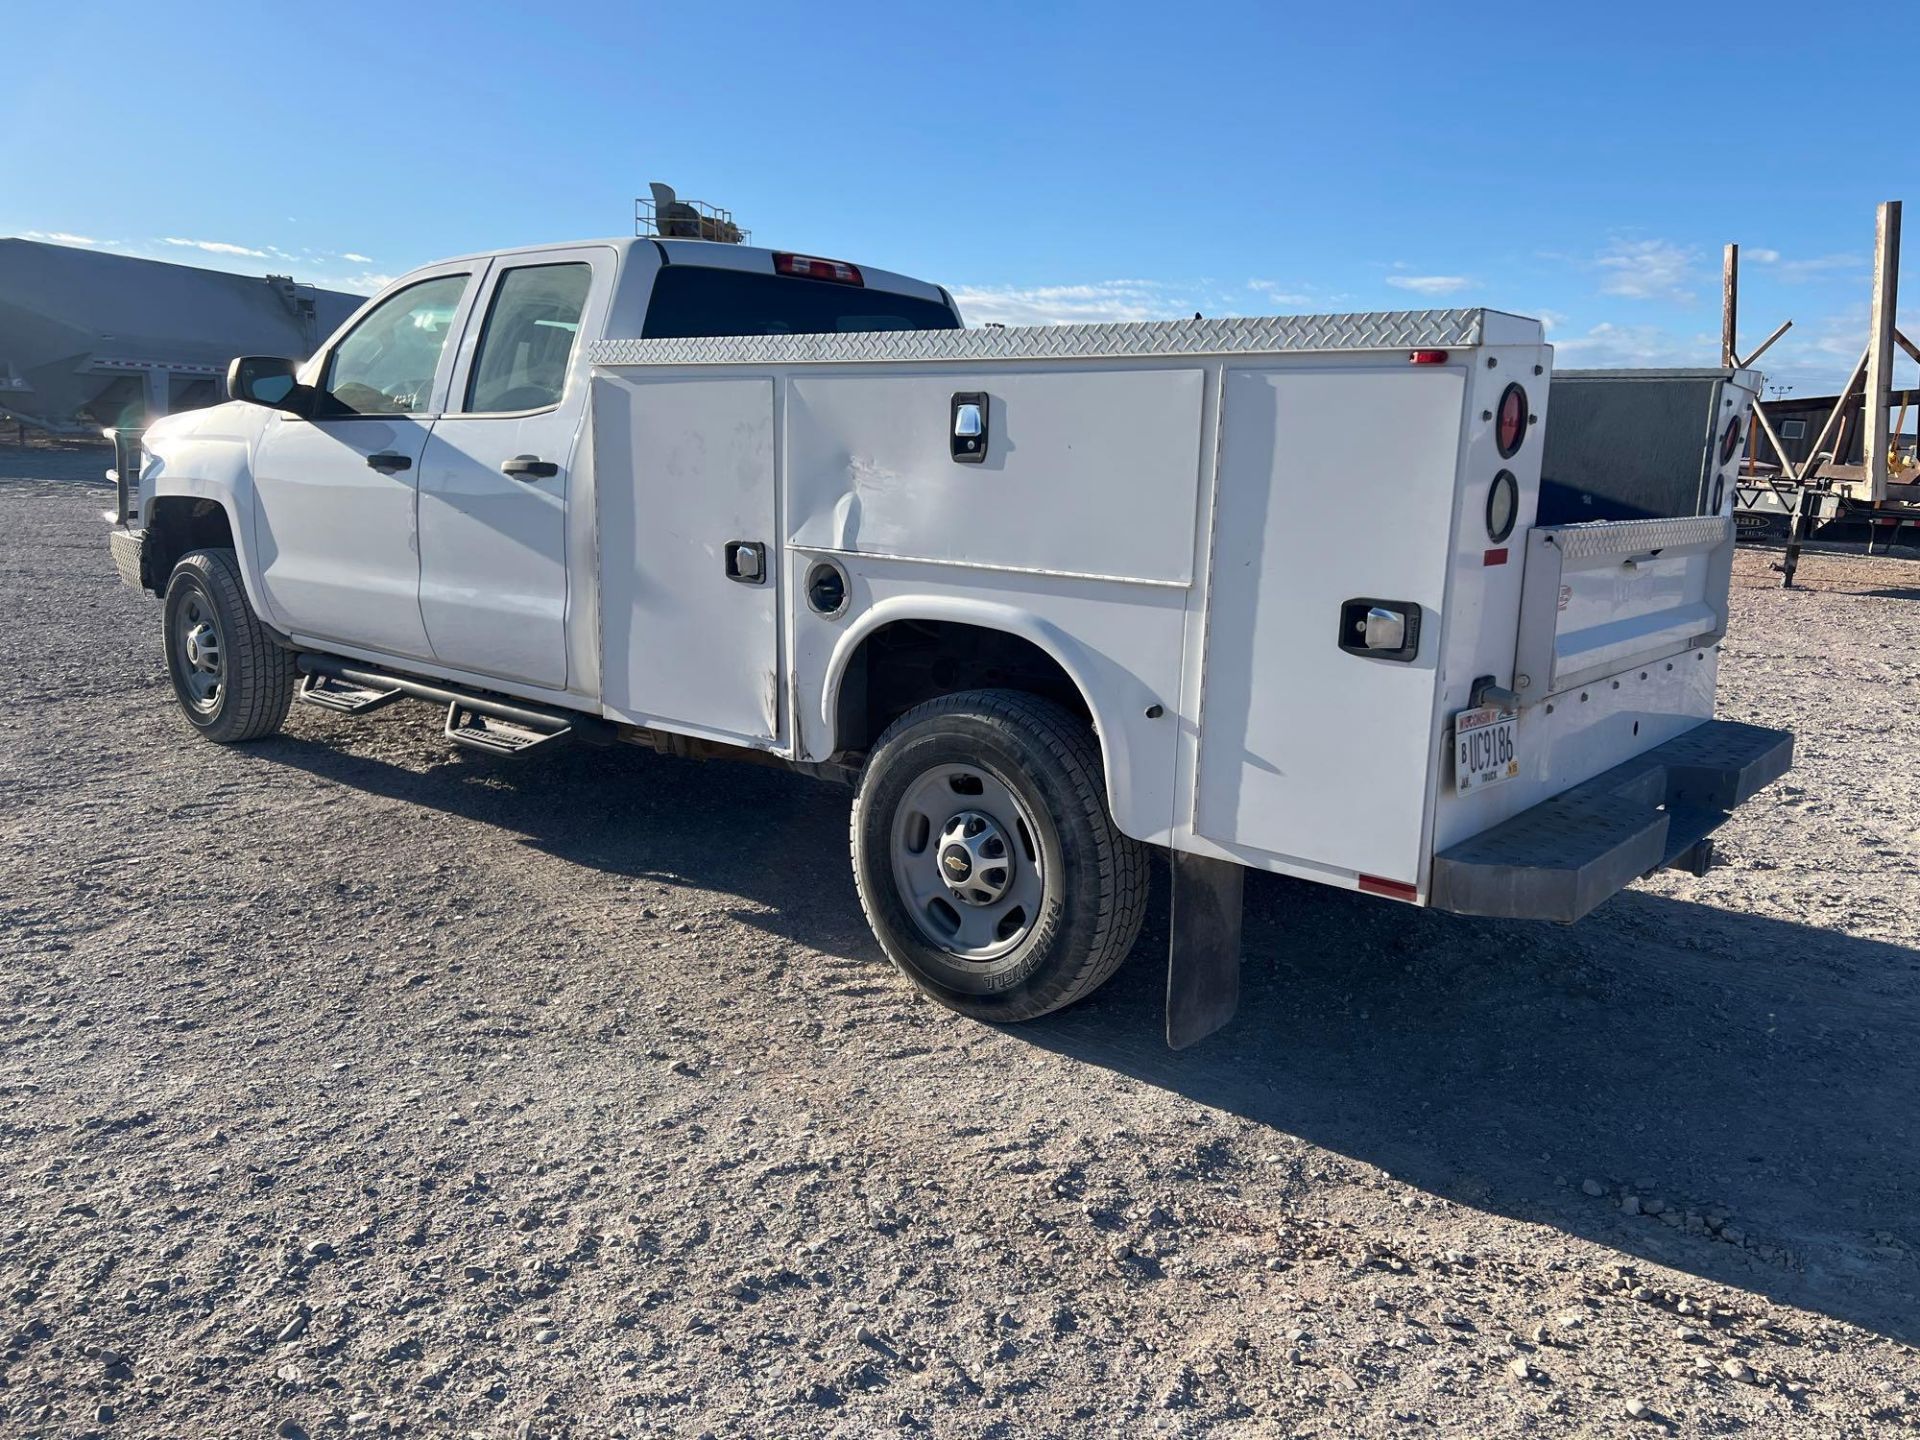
[1710, 1059]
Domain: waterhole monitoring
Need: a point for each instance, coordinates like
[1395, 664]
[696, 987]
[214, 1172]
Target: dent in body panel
[1065, 445]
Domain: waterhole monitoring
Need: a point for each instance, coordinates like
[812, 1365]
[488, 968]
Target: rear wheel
[233, 681]
[986, 858]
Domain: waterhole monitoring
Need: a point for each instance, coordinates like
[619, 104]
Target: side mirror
[266, 380]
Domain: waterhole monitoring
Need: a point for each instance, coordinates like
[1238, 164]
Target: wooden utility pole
[1886, 284]
[1730, 306]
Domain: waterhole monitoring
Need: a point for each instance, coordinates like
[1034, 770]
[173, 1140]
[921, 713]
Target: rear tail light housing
[1510, 421]
[813, 267]
[1503, 506]
[1730, 442]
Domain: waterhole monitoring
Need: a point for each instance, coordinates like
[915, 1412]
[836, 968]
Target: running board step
[327, 693]
[478, 731]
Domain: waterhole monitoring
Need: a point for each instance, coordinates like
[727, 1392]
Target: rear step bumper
[1563, 857]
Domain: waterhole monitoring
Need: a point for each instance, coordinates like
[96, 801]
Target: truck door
[334, 515]
[497, 473]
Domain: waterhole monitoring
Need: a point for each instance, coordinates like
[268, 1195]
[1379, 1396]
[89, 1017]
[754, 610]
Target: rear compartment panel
[1614, 624]
[1575, 736]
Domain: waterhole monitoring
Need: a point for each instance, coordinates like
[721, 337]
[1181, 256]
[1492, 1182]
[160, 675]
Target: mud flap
[1203, 947]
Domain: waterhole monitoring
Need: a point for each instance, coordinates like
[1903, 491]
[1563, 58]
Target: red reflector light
[1392, 889]
[1495, 557]
[1428, 357]
[1730, 442]
[812, 267]
[1510, 421]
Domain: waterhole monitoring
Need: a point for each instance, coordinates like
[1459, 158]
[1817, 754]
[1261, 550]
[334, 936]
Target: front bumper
[129, 550]
[1563, 857]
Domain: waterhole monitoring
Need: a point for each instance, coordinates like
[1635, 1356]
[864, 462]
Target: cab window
[690, 300]
[386, 363]
[527, 342]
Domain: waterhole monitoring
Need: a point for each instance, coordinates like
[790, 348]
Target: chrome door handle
[746, 562]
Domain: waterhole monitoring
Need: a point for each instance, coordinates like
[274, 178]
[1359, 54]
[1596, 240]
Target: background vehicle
[1264, 593]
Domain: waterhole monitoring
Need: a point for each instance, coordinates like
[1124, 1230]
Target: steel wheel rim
[199, 652]
[970, 912]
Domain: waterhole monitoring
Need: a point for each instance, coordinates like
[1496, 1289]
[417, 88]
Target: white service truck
[1259, 593]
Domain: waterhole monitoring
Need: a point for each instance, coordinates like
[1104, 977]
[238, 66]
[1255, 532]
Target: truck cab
[415, 489]
[1275, 593]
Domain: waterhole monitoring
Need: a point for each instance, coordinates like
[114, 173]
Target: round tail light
[1503, 506]
[1510, 421]
[1730, 442]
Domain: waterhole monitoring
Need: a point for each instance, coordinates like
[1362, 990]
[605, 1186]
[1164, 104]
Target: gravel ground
[348, 1086]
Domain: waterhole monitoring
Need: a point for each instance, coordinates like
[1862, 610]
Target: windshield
[693, 300]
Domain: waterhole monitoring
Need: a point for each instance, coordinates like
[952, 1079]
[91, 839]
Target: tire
[1002, 790]
[234, 682]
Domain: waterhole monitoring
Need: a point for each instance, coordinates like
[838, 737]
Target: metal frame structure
[1817, 490]
[662, 215]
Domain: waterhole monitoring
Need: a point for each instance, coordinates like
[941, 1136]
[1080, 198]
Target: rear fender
[1113, 696]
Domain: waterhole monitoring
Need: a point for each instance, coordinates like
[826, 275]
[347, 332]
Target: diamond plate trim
[1371, 330]
[1636, 537]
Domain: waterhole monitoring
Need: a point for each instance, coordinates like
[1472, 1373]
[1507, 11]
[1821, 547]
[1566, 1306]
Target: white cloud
[1798, 272]
[1429, 284]
[1278, 294]
[214, 247]
[356, 259]
[60, 237]
[1648, 270]
[1608, 346]
[1102, 300]
[1550, 320]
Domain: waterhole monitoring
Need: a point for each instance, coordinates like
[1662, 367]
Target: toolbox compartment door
[1601, 598]
[685, 479]
[1336, 484]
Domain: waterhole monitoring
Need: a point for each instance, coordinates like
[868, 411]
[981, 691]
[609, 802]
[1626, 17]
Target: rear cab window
[527, 341]
[700, 300]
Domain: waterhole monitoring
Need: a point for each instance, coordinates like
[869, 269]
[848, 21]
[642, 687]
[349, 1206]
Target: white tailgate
[1334, 484]
[1600, 598]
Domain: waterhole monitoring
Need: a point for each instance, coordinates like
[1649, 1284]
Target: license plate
[1484, 752]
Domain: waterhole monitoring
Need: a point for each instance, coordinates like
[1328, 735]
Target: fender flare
[236, 503]
[1112, 694]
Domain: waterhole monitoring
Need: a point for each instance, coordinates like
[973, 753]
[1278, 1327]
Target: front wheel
[233, 680]
[987, 861]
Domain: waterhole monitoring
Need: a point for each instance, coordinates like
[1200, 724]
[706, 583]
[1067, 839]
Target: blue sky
[1112, 161]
